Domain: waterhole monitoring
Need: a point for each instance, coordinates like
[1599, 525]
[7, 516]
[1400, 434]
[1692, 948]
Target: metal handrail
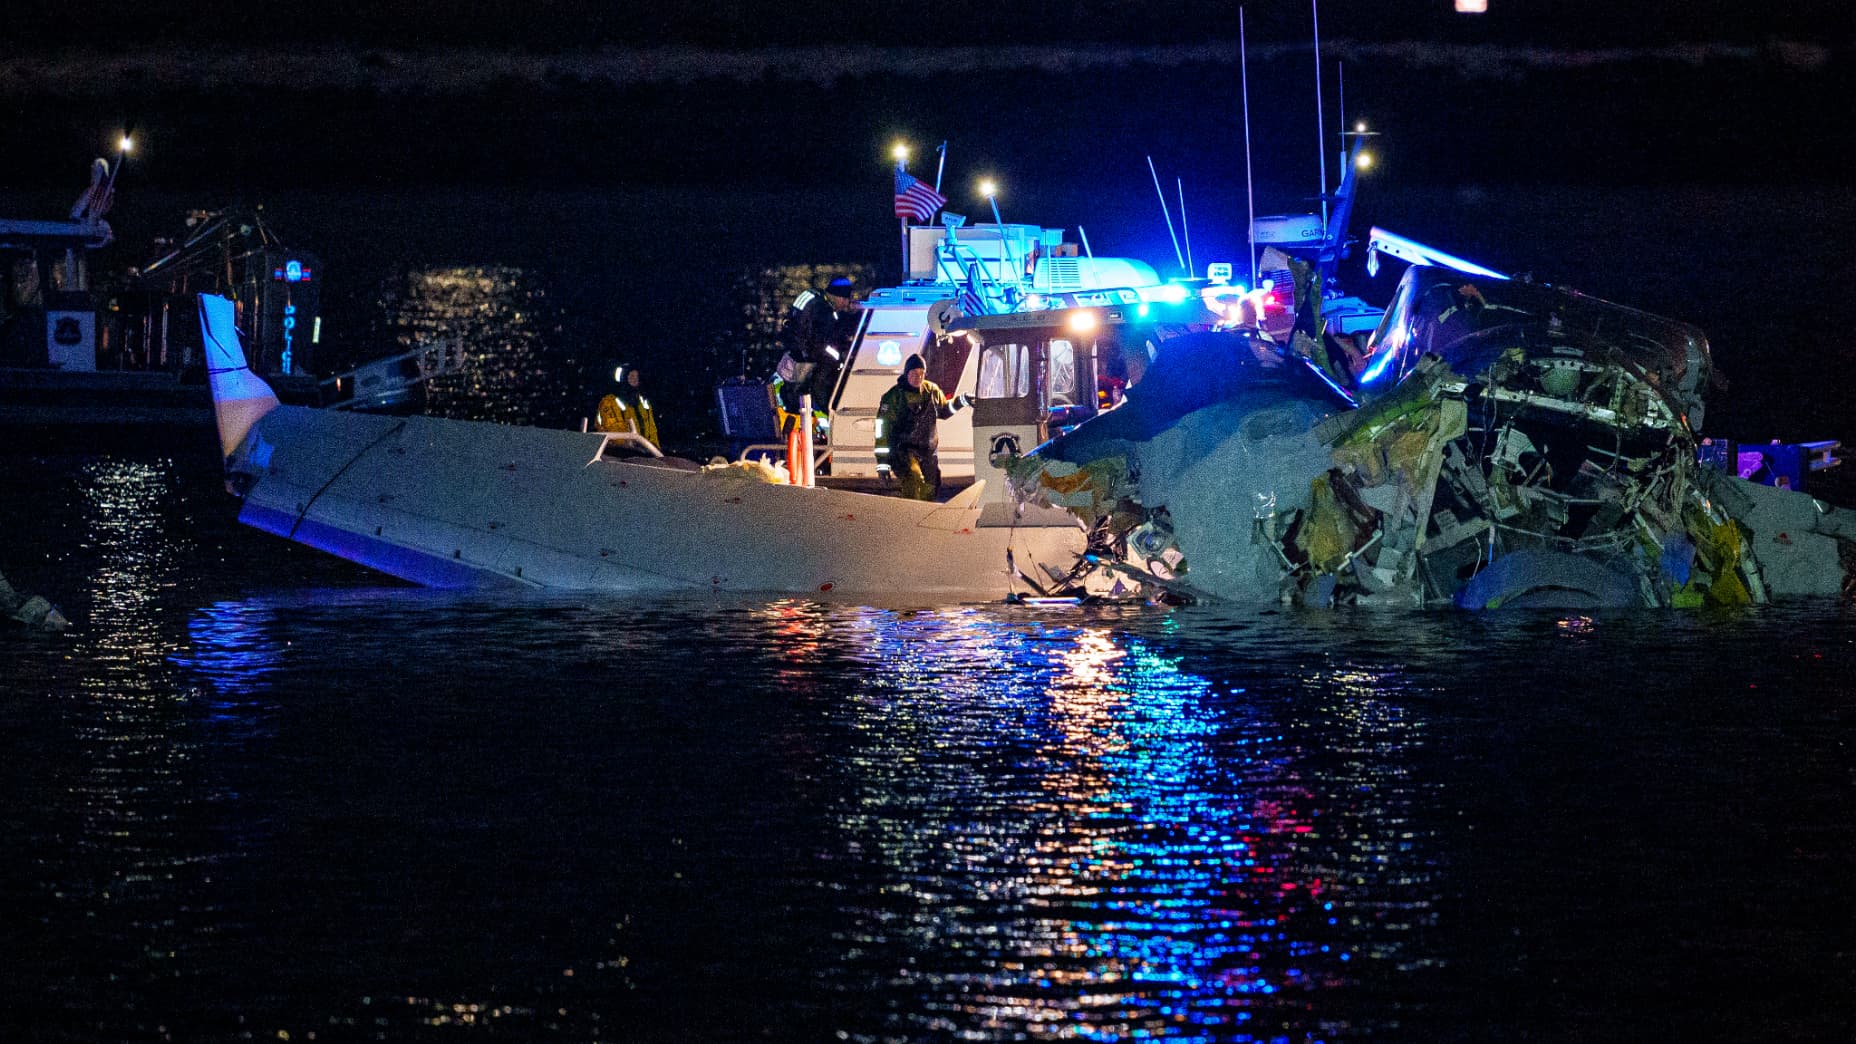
[779, 449]
[629, 439]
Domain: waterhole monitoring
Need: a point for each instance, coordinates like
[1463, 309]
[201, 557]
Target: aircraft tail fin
[240, 397]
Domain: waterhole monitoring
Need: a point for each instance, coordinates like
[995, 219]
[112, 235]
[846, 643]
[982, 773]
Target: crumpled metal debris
[1525, 446]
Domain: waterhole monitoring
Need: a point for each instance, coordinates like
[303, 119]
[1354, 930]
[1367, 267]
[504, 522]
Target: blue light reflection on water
[247, 795]
[1135, 853]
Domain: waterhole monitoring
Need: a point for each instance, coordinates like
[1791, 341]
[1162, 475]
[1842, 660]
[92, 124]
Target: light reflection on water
[1083, 839]
[249, 794]
[531, 358]
[519, 367]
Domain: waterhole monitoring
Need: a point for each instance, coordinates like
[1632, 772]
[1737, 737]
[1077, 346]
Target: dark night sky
[571, 24]
[270, 96]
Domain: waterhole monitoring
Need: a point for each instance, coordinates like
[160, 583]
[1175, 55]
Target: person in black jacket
[907, 438]
[817, 336]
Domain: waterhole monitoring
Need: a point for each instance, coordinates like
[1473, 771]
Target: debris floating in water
[32, 610]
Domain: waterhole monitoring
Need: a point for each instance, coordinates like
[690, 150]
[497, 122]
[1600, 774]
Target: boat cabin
[47, 318]
[1035, 376]
[975, 280]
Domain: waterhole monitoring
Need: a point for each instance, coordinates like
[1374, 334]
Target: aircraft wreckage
[1494, 442]
[1480, 442]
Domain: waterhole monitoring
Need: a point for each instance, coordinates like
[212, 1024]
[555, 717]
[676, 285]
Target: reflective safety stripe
[805, 298]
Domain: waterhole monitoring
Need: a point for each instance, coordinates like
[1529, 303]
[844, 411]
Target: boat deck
[949, 489]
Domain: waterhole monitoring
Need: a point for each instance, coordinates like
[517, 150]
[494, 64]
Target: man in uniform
[817, 335]
[907, 429]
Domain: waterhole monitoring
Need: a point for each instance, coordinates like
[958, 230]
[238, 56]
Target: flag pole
[902, 223]
[941, 166]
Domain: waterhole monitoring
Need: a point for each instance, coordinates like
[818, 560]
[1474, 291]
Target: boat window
[1062, 373]
[897, 322]
[992, 372]
[1005, 371]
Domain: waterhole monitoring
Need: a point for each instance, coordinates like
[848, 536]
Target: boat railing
[630, 443]
[762, 450]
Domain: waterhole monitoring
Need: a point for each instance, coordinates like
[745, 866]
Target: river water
[255, 792]
[259, 794]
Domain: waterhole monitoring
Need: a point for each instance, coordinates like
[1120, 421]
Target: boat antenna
[940, 166]
[1083, 234]
[1250, 195]
[1158, 191]
[1321, 134]
[1185, 229]
[1340, 91]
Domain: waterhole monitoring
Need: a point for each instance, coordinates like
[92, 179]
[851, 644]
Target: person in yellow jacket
[629, 409]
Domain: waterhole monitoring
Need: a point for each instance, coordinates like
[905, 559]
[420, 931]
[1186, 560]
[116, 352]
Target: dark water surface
[258, 793]
[254, 794]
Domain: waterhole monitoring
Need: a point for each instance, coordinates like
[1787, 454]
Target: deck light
[127, 144]
[1364, 161]
[1083, 322]
[988, 188]
[900, 152]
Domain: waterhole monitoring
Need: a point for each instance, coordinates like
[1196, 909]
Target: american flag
[916, 200]
[96, 200]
